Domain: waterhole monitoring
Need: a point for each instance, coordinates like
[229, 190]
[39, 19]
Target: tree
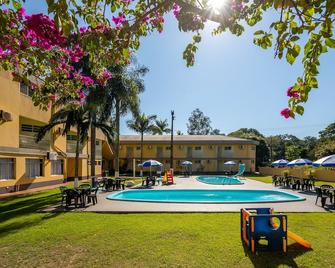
[161, 127]
[262, 149]
[215, 131]
[179, 133]
[69, 117]
[142, 124]
[123, 91]
[309, 145]
[292, 152]
[45, 46]
[325, 148]
[198, 123]
[328, 133]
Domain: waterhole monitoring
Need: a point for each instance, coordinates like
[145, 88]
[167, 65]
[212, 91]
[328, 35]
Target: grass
[78, 239]
[268, 179]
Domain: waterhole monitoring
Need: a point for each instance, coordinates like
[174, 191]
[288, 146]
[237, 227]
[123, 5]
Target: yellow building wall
[324, 174]
[208, 155]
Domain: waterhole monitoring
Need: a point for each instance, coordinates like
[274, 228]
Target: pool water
[205, 196]
[219, 180]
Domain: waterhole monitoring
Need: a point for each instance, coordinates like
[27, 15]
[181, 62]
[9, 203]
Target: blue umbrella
[300, 162]
[186, 163]
[151, 163]
[280, 163]
[328, 161]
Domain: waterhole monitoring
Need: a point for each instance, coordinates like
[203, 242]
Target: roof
[185, 139]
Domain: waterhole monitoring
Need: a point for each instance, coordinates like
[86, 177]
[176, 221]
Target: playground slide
[296, 238]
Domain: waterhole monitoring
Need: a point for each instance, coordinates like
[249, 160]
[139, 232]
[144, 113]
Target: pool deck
[112, 206]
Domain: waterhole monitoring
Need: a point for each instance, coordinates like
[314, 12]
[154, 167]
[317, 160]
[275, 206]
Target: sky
[234, 82]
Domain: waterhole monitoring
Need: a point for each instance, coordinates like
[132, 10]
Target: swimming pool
[219, 180]
[205, 196]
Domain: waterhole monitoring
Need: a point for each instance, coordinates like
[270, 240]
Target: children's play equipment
[168, 177]
[261, 229]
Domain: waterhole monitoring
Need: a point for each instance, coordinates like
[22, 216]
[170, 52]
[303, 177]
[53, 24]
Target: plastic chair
[63, 194]
[93, 196]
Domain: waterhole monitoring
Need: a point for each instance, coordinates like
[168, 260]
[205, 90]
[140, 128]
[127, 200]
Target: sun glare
[216, 4]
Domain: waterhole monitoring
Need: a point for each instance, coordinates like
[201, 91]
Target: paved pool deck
[111, 206]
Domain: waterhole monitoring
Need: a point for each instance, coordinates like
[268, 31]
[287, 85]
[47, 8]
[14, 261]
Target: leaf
[330, 42]
[259, 32]
[300, 110]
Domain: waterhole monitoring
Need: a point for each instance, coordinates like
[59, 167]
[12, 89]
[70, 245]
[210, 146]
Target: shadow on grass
[276, 259]
[21, 208]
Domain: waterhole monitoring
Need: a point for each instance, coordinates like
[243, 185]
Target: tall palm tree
[142, 124]
[123, 89]
[161, 127]
[68, 116]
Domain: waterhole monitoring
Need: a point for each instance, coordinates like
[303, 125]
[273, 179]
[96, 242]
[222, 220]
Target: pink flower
[21, 12]
[119, 20]
[83, 29]
[286, 113]
[146, 18]
[104, 77]
[86, 80]
[176, 9]
[292, 93]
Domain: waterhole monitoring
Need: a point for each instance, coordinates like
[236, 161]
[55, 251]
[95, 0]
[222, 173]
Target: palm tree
[69, 117]
[161, 127]
[123, 89]
[142, 124]
[81, 118]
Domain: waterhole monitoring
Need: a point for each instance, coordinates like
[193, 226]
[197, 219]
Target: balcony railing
[29, 142]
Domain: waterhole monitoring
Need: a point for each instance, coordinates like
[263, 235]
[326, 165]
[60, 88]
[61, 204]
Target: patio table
[83, 191]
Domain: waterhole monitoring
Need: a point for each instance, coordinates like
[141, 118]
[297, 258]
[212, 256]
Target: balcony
[29, 142]
[71, 147]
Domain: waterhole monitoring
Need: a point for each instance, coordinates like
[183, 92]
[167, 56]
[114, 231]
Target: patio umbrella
[186, 163]
[151, 163]
[230, 163]
[328, 161]
[280, 163]
[300, 162]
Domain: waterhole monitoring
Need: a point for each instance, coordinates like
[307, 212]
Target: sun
[216, 4]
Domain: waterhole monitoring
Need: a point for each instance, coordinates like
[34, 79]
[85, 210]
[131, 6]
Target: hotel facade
[208, 153]
[27, 164]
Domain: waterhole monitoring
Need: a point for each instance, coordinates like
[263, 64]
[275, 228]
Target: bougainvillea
[47, 46]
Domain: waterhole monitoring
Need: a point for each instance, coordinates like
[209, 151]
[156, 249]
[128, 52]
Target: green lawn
[268, 179]
[76, 239]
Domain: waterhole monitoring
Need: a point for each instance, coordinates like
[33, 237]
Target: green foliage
[302, 30]
[328, 132]
[292, 152]
[262, 149]
[161, 127]
[198, 123]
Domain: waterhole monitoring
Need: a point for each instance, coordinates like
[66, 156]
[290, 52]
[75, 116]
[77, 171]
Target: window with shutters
[34, 168]
[7, 168]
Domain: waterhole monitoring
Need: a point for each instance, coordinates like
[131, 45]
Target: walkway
[112, 206]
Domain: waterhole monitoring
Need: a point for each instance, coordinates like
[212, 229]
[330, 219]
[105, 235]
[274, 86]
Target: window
[30, 128]
[197, 161]
[167, 161]
[149, 147]
[197, 148]
[253, 148]
[138, 148]
[227, 148]
[208, 161]
[34, 168]
[57, 167]
[181, 147]
[7, 168]
[168, 148]
[241, 147]
[71, 137]
[97, 143]
[211, 147]
[26, 90]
